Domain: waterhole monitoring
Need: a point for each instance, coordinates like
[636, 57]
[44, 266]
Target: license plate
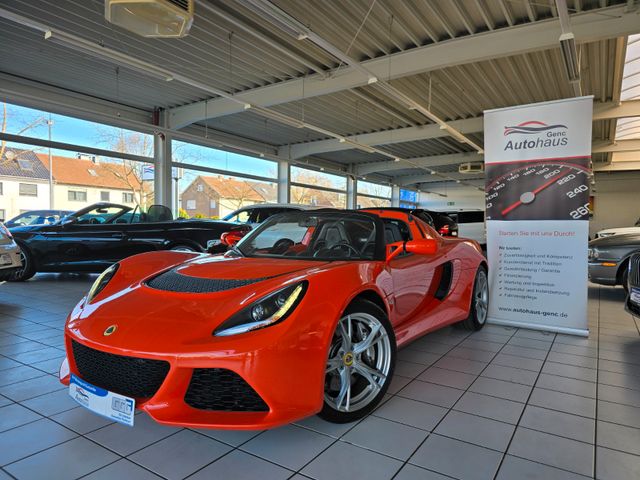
[108, 404]
[5, 259]
[634, 295]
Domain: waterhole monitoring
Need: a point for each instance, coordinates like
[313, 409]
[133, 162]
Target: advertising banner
[537, 163]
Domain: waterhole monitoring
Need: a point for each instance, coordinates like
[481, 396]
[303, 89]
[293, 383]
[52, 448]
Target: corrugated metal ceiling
[235, 50]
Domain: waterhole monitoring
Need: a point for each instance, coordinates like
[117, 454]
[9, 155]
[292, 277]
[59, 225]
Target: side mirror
[422, 246]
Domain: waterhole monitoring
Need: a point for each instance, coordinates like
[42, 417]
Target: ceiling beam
[601, 111]
[386, 137]
[587, 27]
[426, 162]
[405, 180]
[619, 146]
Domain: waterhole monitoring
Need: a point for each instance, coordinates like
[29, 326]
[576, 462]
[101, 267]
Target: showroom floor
[502, 403]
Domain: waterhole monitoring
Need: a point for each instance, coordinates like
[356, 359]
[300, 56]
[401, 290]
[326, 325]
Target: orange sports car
[303, 316]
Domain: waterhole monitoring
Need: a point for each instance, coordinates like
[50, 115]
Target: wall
[13, 203]
[462, 197]
[61, 197]
[617, 200]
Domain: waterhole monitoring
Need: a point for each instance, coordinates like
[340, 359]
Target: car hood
[162, 318]
[619, 231]
[623, 239]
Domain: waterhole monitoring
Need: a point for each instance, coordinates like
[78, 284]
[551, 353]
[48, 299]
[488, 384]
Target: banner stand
[538, 177]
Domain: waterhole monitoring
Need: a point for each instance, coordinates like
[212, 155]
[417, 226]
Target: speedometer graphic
[545, 190]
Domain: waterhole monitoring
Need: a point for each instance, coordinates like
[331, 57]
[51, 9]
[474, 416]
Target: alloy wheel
[481, 296]
[359, 362]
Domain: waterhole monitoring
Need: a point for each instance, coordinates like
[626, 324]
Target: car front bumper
[12, 253]
[287, 373]
[603, 274]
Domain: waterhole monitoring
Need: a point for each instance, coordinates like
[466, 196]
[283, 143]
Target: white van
[471, 224]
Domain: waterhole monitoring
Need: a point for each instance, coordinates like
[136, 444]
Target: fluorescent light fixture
[396, 159]
[97, 51]
[247, 106]
[342, 140]
[570, 56]
[372, 80]
[151, 18]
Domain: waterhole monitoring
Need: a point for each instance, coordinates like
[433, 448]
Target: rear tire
[28, 269]
[362, 358]
[479, 302]
[625, 278]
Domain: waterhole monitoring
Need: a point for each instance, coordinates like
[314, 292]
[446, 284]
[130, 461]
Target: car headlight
[267, 311]
[101, 282]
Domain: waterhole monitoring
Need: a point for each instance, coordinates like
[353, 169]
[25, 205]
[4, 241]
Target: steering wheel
[344, 246]
[281, 246]
[94, 221]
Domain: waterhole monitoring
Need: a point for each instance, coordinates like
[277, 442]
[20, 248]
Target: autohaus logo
[545, 135]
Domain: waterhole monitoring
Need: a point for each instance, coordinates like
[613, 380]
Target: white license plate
[98, 400]
[634, 295]
[5, 259]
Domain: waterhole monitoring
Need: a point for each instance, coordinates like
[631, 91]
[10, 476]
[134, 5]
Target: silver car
[633, 283]
[10, 260]
[609, 258]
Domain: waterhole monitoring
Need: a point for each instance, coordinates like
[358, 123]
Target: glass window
[127, 197]
[35, 123]
[318, 179]
[374, 189]
[223, 195]
[317, 198]
[199, 155]
[105, 196]
[77, 196]
[240, 217]
[2, 215]
[371, 202]
[28, 189]
[1, 188]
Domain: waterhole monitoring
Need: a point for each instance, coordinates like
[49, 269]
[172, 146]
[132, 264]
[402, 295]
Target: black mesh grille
[130, 376]
[172, 281]
[222, 390]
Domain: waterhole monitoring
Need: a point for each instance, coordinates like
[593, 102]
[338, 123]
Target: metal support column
[163, 192]
[395, 196]
[284, 182]
[352, 185]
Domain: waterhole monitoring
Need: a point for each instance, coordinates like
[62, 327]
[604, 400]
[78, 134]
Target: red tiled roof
[78, 171]
[240, 189]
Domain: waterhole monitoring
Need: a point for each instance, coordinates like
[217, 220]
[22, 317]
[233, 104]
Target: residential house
[83, 181]
[215, 197]
[77, 183]
[24, 183]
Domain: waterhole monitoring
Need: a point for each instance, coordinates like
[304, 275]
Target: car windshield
[100, 214]
[319, 236]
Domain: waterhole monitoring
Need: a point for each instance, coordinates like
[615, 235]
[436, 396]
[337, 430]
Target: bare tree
[21, 128]
[129, 171]
[244, 193]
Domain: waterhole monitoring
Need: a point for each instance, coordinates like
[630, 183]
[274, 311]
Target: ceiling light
[570, 56]
[342, 140]
[98, 51]
[372, 80]
[396, 159]
[151, 18]
[247, 106]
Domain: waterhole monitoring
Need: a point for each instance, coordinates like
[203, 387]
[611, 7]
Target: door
[88, 242]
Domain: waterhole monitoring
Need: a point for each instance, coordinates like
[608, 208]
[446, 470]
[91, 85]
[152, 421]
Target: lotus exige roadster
[303, 316]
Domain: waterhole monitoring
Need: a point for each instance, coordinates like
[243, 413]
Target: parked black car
[633, 284]
[97, 236]
[609, 258]
[37, 217]
[440, 222]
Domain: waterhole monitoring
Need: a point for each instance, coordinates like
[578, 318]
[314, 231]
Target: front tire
[360, 364]
[28, 268]
[479, 302]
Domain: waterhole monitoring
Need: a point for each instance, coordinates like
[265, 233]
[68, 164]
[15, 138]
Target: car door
[410, 274]
[81, 246]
